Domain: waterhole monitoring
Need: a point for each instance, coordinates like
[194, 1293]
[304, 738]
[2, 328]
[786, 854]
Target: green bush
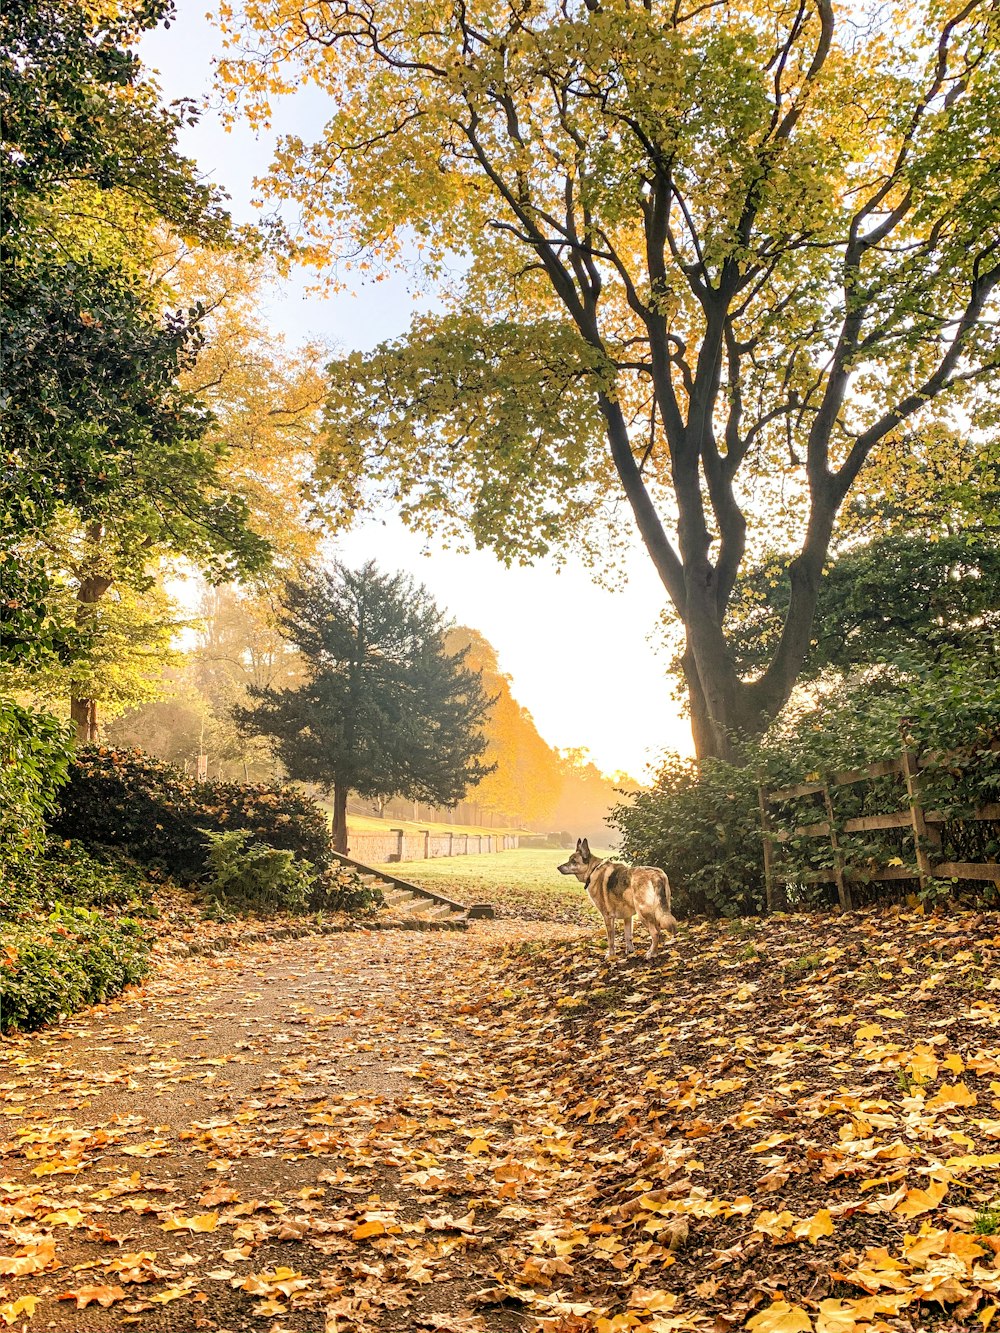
[65, 872]
[72, 958]
[702, 826]
[251, 875]
[338, 888]
[702, 823]
[34, 758]
[162, 818]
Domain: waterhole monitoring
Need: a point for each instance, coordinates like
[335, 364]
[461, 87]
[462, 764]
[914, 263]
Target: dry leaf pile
[794, 1126]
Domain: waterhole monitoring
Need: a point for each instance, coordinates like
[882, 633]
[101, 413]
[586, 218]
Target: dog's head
[579, 863]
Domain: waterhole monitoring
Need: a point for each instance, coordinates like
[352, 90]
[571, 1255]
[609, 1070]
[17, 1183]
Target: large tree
[526, 780]
[99, 431]
[715, 257]
[385, 710]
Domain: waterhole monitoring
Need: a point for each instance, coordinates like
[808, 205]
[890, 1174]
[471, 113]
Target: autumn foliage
[786, 1127]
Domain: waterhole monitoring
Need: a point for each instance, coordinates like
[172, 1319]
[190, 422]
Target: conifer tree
[385, 709]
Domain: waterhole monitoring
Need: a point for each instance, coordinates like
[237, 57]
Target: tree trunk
[83, 714]
[340, 819]
[83, 711]
[701, 730]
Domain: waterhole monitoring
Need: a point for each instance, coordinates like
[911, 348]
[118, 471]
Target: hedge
[65, 872]
[72, 958]
[701, 823]
[165, 820]
[161, 817]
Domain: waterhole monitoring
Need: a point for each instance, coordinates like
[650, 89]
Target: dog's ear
[579, 843]
[585, 848]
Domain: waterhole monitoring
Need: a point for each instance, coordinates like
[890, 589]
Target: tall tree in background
[266, 398]
[263, 406]
[385, 710]
[714, 253]
[99, 431]
[526, 780]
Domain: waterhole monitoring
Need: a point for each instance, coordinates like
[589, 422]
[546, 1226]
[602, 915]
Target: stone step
[431, 911]
[399, 898]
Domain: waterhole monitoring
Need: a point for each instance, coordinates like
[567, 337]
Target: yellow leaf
[836, 1316]
[24, 1305]
[203, 1222]
[812, 1228]
[63, 1217]
[652, 1301]
[868, 1030]
[478, 1146]
[34, 1258]
[953, 1094]
[921, 1201]
[170, 1294]
[881, 1180]
[923, 1064]
[780, 1317]
[955, 1063]
[84, 1296]
[366, 1229]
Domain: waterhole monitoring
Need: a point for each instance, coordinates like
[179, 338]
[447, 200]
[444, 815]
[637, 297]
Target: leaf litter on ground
[496, 1130]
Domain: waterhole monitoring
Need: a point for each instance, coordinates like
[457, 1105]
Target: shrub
[249, 874]
[703, 827]
[65, 872]
[161, 817]
[72, 958]
[702, 823]
[341, 889]
[34, 758]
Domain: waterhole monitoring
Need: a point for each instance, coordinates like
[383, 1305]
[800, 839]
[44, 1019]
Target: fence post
[922, 835]
[398, 856]
[765, 829]
[451, 844]
[843, 887]
[427, 842]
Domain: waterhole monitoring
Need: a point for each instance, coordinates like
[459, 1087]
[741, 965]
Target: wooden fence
[922, 825]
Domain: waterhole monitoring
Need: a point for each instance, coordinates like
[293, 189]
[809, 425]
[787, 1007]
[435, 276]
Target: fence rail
[923, 824]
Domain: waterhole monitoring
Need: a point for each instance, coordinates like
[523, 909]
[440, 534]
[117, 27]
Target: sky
[587, 662]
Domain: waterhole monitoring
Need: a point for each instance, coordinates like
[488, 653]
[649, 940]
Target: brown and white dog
[620, 892]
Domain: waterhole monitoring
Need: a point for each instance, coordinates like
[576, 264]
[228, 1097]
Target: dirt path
[790, 1126]
[289, 1137]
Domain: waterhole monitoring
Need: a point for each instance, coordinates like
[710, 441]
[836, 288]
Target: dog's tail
[666, 921]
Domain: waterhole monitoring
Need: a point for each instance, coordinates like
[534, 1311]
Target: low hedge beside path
[128, 836]
[172, 824]
[74, 957]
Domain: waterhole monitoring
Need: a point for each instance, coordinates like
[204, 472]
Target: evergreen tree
[385, 709]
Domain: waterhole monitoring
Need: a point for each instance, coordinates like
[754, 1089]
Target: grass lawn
[520, 883]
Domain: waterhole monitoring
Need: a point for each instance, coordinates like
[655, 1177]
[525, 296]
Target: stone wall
[373, 848]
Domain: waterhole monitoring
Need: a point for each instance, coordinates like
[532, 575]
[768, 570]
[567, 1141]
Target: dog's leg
[654, 939]
[609, 926]
[628, 936]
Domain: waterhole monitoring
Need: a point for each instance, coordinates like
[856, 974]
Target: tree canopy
[385, 709]
[744, 245]
[912, 599]
[96, 421]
